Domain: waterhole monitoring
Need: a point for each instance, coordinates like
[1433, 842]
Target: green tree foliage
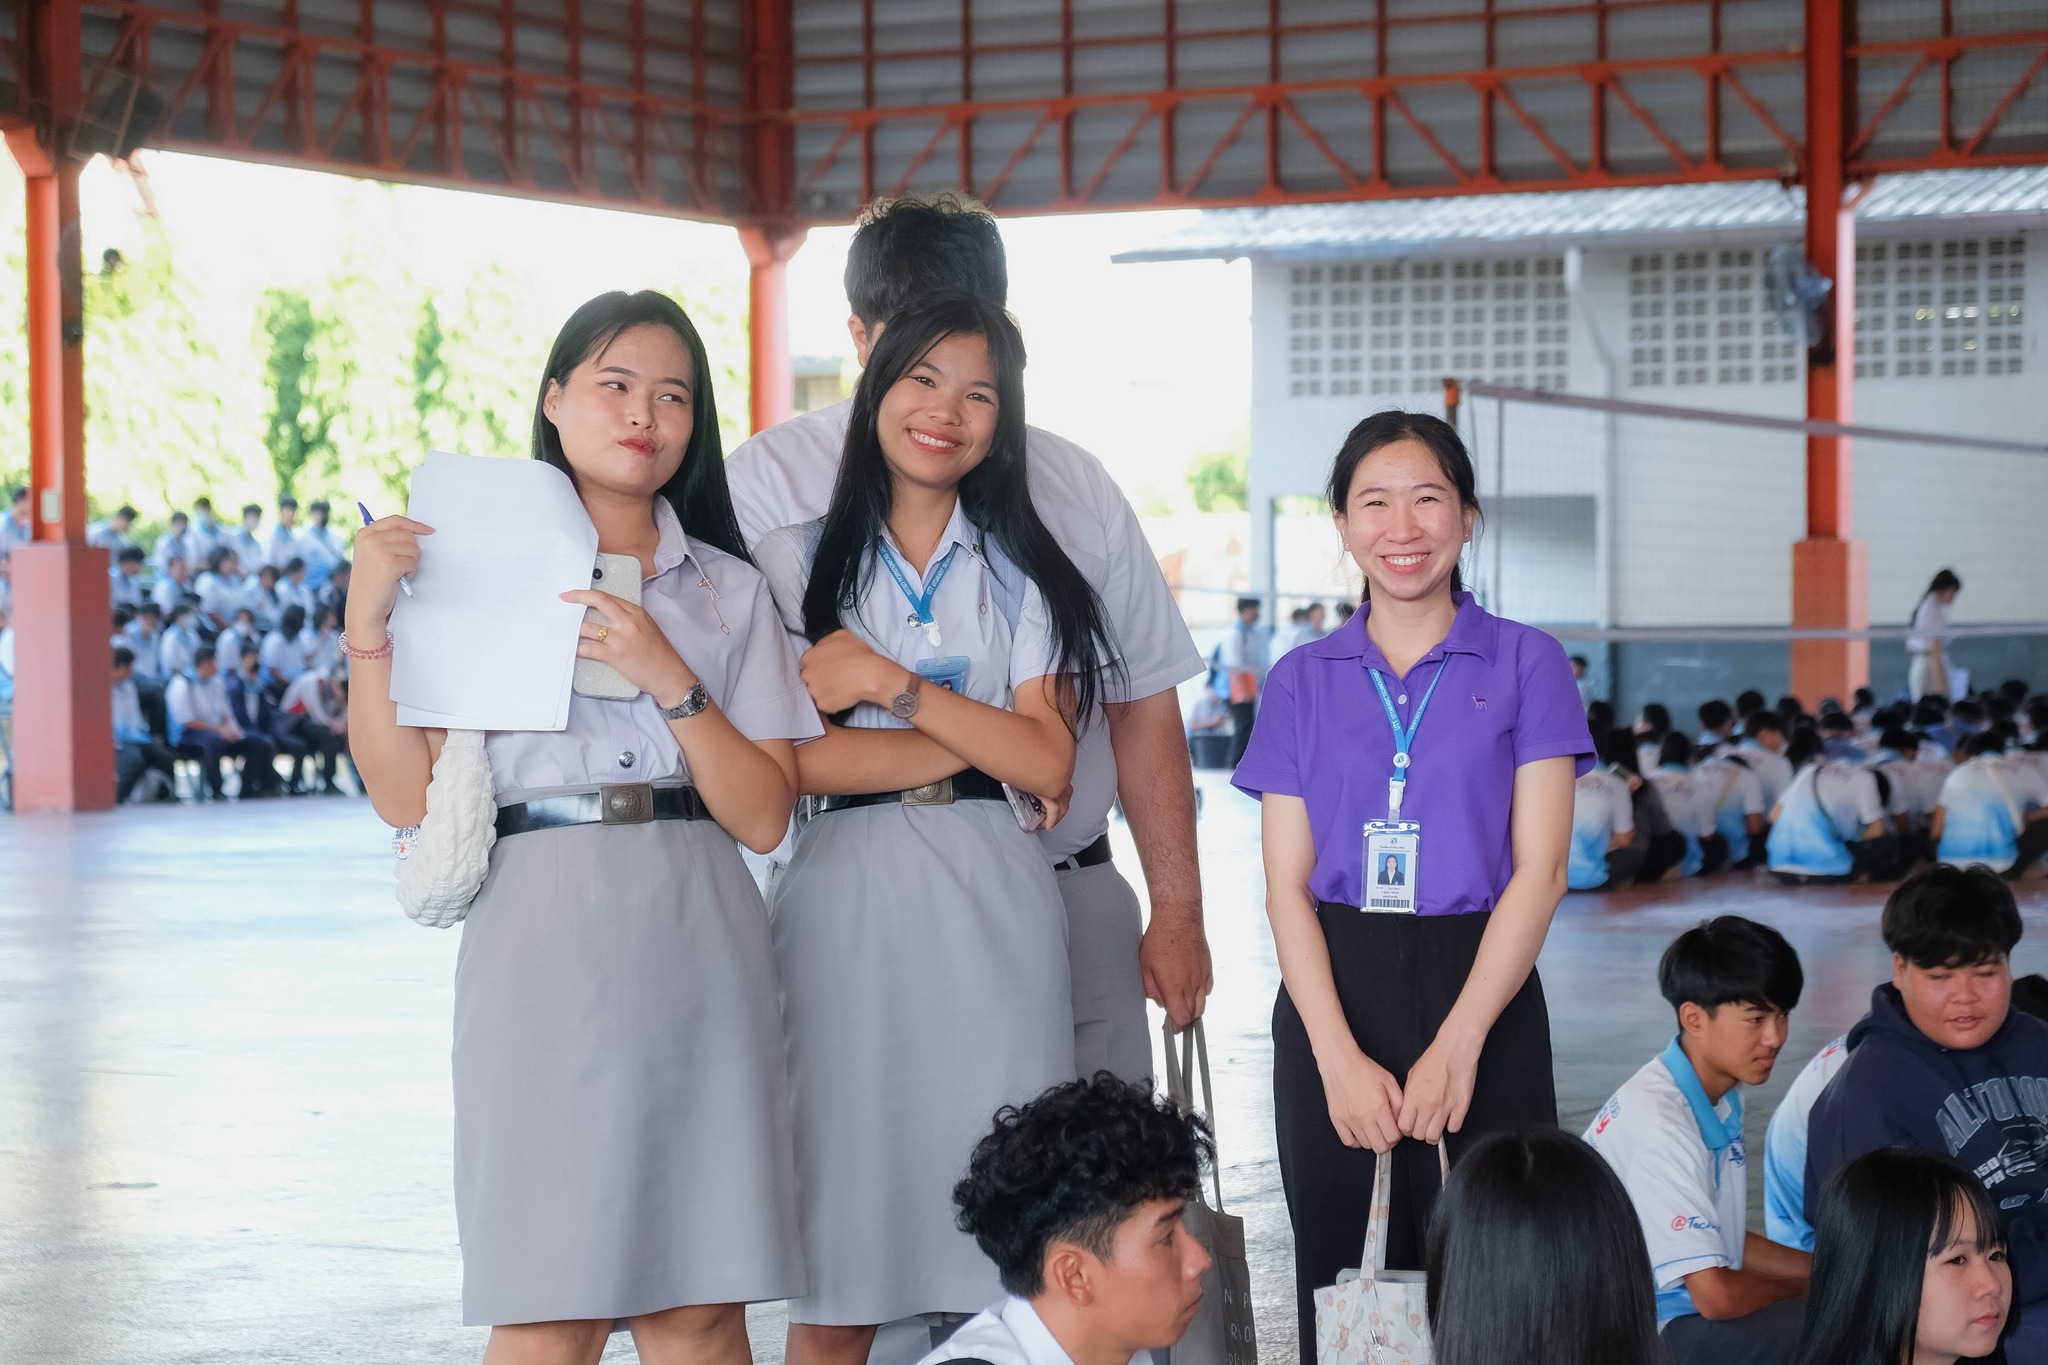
[300, 422]
[1217, 479]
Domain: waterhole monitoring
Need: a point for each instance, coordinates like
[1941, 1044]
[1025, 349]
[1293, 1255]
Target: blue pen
[404, 585]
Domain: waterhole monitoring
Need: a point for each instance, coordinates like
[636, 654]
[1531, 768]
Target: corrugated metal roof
[1748, 211]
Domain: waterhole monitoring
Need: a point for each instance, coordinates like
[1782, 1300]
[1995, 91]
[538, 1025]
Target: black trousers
[1622, 866]
[1661, 853]
[2033, 843]
[1769, 1336]
[1242, 713]
[1397, 977]
[1713, 853]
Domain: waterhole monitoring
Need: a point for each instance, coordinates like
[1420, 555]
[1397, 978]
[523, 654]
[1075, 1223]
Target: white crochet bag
[1373, 1315]
[442, 866]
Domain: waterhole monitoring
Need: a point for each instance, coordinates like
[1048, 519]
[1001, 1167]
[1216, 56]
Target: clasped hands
[1369, 1108]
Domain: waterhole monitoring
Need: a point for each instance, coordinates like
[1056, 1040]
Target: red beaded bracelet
[383, 651]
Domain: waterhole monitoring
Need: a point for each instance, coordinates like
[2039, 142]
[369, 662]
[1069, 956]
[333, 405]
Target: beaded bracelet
[383, 651]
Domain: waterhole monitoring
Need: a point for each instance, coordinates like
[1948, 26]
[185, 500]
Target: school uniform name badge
[1392, 855]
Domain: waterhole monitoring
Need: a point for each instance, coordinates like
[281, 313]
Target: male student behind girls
[1992, 812]
[1944, 1063]
[1830, 827]
[911, 249]
[1763, 749]
[1605, 854]
[1673, 1133]
[1077, 1198]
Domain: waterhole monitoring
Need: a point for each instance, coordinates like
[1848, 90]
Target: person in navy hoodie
[1943, 1062]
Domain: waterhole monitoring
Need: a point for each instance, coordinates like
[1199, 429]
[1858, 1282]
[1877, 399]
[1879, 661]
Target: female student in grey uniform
[622, 1135]
[920, 934]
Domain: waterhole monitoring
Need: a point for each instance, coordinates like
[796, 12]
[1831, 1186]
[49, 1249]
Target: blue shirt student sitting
[1673, 1134]
[1944, 1063]
[1991, 812]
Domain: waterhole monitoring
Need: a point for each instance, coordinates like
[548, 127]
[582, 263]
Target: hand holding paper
[486, 642]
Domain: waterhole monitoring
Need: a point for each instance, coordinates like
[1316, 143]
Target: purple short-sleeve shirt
[1507, 698]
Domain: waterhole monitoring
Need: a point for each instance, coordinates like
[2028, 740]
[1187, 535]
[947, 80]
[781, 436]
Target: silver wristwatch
[695, 700]
[904, 704]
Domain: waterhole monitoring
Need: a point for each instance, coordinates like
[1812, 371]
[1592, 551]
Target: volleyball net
[1656, 540]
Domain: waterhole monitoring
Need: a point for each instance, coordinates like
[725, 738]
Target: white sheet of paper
[485, 641]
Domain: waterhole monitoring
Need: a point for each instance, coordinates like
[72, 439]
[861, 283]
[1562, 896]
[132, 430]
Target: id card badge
[1392, 856]
[948, 671]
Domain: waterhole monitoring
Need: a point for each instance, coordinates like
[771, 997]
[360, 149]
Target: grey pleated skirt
[923, 959]
[622, 1130]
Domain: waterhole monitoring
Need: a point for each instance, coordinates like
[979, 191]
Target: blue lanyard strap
[1404, 739]
[920, 603]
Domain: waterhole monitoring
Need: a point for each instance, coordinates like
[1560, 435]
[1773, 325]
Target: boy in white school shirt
[1993, 809]
[1077, 1198]
[1673, 1133]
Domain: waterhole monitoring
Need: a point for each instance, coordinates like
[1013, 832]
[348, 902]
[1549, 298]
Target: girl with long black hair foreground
[1909, 1266]
[622, 1133]
[919, 933]
[1536, 1257]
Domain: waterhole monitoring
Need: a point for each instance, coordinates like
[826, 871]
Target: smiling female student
[918, 930]
[622, 1133]
[1427, 727]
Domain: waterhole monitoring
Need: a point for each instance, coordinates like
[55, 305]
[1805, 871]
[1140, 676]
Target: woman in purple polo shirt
[1428, 732]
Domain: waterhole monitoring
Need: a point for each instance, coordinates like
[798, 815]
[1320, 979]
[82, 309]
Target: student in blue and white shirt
[180, 542]
[1604, 851]
[1673, 1133]
[281, 545]
[320, 547]
[1785, 1220]
[1763, 749]
[1691, 807]
[1830, 825]
[1993, 812]
[1915, 784]
[179, 647]
[1737, 797]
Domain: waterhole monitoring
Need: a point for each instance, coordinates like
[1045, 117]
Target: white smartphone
[618, 575]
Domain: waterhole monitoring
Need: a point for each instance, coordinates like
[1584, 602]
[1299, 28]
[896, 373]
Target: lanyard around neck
[920, 603]
[1404, 739]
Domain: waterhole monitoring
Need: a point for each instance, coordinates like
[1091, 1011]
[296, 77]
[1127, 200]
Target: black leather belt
[1095, 855]
[969, 785]
[626, 803]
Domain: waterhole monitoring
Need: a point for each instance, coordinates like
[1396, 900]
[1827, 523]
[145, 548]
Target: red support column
[773, 230]
[1830, 568]
[772, 371]
[63, 727]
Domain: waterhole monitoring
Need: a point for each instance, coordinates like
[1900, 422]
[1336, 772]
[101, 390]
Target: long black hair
[1945, 580]
[697, 491]
[1880, 1218]
[1382, 429]
[1535, 1256]
[995, 494]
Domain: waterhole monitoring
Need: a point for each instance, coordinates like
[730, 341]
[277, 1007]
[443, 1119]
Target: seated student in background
[1691, 806]
[1991, 813]
[1838, 736]
[1717, 726]
[1943, 1063]
[1673, 1133]
[250, 704]
[1830, 825]
[1915, 790]
[1763, 749]
[1604, 852]
[136, 751]
[1077, 1198]
[1736, 795]
[1911, 1267]
[1663, 846]
[1653, 722]
[1535, 1257]
[203, 727]
[1965, 718]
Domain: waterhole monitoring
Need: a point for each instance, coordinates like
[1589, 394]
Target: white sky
[1146, 365]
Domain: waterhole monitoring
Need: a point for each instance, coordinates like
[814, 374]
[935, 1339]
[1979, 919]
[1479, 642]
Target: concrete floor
[224, 1109]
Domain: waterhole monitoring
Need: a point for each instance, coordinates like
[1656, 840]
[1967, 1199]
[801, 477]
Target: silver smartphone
[618, 575]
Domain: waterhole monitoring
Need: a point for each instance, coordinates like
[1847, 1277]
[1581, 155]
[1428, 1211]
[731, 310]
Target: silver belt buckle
[625, 803]
[939, 793]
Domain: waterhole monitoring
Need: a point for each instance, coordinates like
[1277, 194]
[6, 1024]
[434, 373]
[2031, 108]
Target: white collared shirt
[784, 477]
[1773, 770]
[282, 657]
[716, 611]
[190, 698]
[280, 547]
[964, 607]
[1008, 1333]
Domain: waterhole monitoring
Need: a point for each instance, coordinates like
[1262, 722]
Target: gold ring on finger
[603, 631]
